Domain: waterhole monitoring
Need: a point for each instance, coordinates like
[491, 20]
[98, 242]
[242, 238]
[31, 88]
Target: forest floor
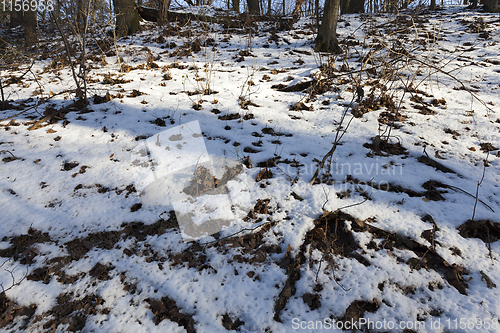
[396, 237]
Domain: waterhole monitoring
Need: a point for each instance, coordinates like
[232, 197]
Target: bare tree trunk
[236, 5]
[326, 41]
[163, 17]
[316, 8]
[433, 4]
[3, 105]
[269, 3]
[352, 6]
[394, 5]
[29, 23]
[298, 4]
[344, 4]
[127, 17]
[491, 6]
[79, 15]
[16, 18]
[253, 7]
[56, 13]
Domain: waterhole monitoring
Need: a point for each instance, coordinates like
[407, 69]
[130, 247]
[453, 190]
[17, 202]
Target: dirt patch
[229, 324]
[329, 235]
[9, 311]
[112, 81]
[372, 103]
[314, 87]
[390, 117]
[485, 230]
[356, 310]
[107, 240]
[454, 133]
[22, 247]
[264, 174]
[100, 271]
[261, 207]
[426, 257]
[438, 102]
[250, 150]
[204, 183]
[487, 147]
[102, 99]
[292, 266]
[166, 308]
[301, 86]
[299, 106]
[379, 146]
[245, 103]
[432, 192]
[424, 110]
[313, 300]
[136, 93]
[231, 116]
[430, 162]
[135, 207]
[80, 246]
[72, 311]
[69, 166]
[159, 122]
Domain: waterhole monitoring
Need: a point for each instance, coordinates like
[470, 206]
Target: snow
[67, 213]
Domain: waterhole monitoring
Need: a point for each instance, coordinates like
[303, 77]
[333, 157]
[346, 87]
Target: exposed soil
[9, 311]
[485, 230]
[166, 308]
[22, 247]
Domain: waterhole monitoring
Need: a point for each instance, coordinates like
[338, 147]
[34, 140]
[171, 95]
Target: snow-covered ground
[100, 256]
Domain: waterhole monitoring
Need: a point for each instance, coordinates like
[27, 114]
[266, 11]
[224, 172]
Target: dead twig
[14, 281]
[479, 184]
[7, 151]
[338, 136]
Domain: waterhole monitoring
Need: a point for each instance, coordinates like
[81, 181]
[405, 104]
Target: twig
[14, 282]
[326, 195]
[489, 243]
[65, 41]
[238, 232]
[338, 136]
[32, 107]
[337, 282]
[6, 151]
[479, 184]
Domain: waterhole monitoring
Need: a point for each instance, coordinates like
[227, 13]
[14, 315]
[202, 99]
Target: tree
[352, 6]
[326, 41]
[16, 18]
[491, 6]
[127, 17]
[29, 23]
[79, 14]
[253, 7]
[298, 4]
[163, 11]
[236, 5]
